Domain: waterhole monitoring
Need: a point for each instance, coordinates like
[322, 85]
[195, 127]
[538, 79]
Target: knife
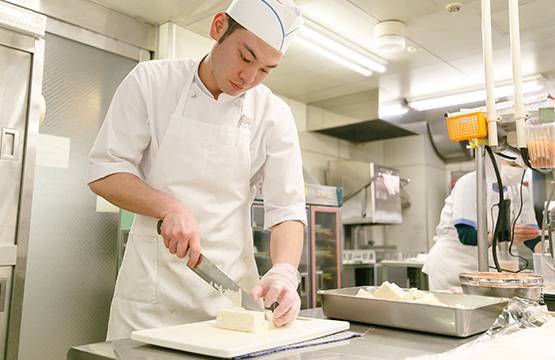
[221, 282]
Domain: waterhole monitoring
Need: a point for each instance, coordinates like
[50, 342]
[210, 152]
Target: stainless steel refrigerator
[21, 63]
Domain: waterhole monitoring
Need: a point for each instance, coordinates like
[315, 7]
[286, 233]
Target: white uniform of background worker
[455, 250]
[187, 141]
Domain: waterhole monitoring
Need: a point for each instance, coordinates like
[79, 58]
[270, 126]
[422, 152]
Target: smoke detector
[454, 8]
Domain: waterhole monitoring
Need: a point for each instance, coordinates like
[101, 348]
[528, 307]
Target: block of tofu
[239, 319]
[389, 291]
[414, 294]
[363, 293]
[422, 297]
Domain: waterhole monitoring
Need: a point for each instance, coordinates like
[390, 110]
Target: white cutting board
[206, 339]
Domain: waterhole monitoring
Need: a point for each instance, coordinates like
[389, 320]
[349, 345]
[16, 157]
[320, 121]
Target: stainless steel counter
[376, 343]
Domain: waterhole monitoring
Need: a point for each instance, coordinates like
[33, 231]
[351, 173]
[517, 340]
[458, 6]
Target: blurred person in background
[455, 247]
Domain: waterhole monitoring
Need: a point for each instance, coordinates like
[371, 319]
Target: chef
[455, 250]
[187, 141]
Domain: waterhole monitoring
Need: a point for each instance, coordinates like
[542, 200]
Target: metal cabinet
[21, 69]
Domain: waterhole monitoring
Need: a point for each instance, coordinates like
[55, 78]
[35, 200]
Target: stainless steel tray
[477, 314]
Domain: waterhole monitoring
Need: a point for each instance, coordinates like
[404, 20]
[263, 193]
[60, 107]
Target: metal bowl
[507, 285]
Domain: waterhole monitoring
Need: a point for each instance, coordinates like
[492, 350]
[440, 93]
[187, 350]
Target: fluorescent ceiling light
[473, 96]
[336, 48]
[338, 59]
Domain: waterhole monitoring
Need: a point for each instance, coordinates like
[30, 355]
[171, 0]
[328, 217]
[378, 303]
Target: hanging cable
[526, 158]
[514, 225]
[503, 219]
[501, 202]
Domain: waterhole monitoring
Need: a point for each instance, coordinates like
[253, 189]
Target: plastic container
[540, 140]
[467, 126]
[541, 268]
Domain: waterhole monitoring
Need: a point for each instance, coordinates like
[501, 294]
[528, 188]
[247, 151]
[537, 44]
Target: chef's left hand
[280, 284]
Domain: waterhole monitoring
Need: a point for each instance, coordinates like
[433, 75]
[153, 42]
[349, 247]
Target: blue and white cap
[277, 22]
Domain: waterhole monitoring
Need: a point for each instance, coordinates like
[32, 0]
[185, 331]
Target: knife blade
[216, 278]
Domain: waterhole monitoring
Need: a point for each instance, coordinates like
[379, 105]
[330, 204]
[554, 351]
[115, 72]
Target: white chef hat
[277, 22]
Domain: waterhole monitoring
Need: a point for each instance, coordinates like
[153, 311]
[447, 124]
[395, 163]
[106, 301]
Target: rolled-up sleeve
[125, 133]
[283, 184]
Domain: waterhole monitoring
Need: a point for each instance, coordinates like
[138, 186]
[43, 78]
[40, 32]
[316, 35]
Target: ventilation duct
[352, 117]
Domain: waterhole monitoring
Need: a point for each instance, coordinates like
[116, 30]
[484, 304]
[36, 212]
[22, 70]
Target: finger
[290, 314]
[286, 302]
[286, 318]
[182, 248]
[194, 257]
[256, 291]
[272, 295]
[173, 246]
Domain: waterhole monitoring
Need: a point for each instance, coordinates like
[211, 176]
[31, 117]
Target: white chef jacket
[460, 205]
[449, 257]
[139, 114]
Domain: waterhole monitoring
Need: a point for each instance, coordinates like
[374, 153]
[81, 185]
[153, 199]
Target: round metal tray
[501, 279]
[507, 285]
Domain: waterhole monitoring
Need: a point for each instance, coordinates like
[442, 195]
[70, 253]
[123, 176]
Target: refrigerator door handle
[3, 284]
[9, 144]
[8, 255]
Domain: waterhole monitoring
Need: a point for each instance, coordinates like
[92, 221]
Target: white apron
[447, 259]
[207, 167]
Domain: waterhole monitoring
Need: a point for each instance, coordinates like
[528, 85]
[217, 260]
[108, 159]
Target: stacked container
[540, 138]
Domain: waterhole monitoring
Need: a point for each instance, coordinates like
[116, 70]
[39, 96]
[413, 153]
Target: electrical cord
[502, 207]
[526, 158]
[514, 225]
[501, 202]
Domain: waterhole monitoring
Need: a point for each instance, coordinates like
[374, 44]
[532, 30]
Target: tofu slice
[363, 293]
[239, 319]
[389, 291]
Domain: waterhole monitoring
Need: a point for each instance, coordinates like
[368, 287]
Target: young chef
[186, 141]
[455, 250]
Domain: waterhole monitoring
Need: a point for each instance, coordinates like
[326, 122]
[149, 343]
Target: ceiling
[447, 54]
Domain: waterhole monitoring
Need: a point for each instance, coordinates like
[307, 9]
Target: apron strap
[185, 92]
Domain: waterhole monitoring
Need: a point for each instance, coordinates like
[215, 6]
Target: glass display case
[261, 240]
[320, 265]
[326, 246]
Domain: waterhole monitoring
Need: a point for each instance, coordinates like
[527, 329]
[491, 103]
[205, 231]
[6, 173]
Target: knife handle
[159, 227]
[159, 230]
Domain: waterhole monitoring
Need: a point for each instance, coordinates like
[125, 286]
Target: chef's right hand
[523, 233]
[181, 234]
